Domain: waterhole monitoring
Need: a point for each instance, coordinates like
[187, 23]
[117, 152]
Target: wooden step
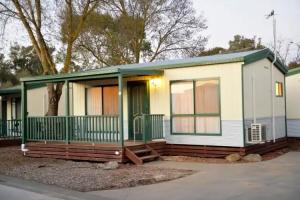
[149, 157]
[143, 154]
[141, 151]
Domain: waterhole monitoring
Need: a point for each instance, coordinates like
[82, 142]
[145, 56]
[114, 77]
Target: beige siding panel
[230, 80]
[293, 96]
[231, 103]
[78, 99]
[9, 108]
[293, 108]
[260, 72]
[37, 101]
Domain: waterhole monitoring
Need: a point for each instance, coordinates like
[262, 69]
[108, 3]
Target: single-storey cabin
[293, 102]
[205, 106]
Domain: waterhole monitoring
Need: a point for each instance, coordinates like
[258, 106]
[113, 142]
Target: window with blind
[195, 107]
[102, 100]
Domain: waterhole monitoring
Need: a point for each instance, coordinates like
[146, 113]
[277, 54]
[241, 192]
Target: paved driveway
[275, 179]
[278, 179]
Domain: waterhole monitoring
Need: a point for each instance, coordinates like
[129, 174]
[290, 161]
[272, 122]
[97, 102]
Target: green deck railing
[10, 128]
[94, 129]
[153, 126]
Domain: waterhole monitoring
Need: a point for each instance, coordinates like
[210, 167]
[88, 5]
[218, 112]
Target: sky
[225, 18]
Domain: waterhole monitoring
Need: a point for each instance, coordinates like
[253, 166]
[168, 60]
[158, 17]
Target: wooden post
[67, 110]
[120, 94]
[144, 128]
[24, 113]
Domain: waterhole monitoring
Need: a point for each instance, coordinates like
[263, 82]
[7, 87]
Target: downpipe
[272, 82]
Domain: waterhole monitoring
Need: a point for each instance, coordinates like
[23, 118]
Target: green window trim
[195, 115]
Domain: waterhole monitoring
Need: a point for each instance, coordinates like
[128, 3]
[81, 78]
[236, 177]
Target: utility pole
[272, 14]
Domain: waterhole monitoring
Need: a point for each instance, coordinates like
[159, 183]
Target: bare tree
[34, 16]
[135, 30]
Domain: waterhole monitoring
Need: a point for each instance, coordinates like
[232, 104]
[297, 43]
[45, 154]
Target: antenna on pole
[272, 14]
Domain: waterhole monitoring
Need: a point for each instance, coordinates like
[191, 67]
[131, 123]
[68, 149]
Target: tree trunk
[54, 94]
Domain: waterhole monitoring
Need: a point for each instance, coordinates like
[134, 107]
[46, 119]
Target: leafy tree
[213, 51]
[294, 64]
[240, 42]
[128, 31]
[7, 78]
[24, 60]
[39, 19]
[296, 60]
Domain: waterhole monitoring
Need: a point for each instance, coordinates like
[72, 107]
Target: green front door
[138, 104]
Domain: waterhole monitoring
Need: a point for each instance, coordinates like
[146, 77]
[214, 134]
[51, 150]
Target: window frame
[102, 100]
[282, 90]
[194, 108]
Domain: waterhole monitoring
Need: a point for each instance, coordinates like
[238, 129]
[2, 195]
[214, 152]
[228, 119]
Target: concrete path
[278, 179]
[18, 189]
[275, 179]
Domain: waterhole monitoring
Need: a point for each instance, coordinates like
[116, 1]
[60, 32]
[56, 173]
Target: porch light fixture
[117, 153]
[155, 82]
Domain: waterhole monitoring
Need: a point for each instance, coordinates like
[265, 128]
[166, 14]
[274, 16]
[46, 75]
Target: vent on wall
[256, 133]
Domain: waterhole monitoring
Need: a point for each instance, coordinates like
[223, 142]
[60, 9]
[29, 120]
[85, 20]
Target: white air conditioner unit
[256, 133]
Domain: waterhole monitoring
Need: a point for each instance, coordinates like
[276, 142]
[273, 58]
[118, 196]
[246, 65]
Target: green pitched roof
[17, 89]
[293, 71]
[10, 90]
[246, 57]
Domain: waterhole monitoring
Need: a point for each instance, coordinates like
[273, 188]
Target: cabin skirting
[104, 153]
[10, 142]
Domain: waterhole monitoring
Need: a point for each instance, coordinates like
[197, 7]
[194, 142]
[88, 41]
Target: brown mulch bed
[81, 176]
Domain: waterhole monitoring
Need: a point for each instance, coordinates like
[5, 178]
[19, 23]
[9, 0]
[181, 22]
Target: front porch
[100, 118]
[100, 152]
[93, 138]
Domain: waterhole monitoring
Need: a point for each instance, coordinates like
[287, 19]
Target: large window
[195, 107]
[102, 100]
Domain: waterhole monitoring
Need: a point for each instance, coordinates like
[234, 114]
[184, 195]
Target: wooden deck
[113, 152]
[83, 151]
[267, 146]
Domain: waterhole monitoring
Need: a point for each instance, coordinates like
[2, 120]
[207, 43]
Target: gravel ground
[81, 176]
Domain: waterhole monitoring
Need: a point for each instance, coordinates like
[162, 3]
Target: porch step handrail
[10, 128]
[153, 126]
[92, 129]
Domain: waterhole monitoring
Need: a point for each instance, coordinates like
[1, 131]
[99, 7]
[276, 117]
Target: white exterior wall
[293, 108]
[37, 102]
[261, 107]
[231, 103]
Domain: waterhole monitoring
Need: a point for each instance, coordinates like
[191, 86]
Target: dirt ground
[88, 176]
[81, 176]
